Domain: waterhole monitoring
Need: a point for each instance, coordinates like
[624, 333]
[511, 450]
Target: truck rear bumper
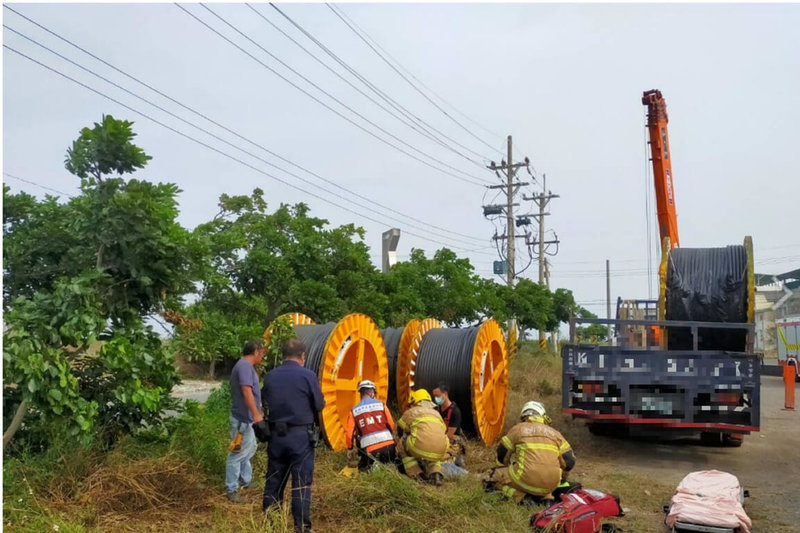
[659, 422]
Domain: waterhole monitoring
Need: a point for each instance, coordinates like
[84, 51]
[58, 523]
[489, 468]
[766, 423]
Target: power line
[372, 134]
[208, 146]
[399, 107]
[45, 187]
[358, 31]
[213, 135]
[213, 122]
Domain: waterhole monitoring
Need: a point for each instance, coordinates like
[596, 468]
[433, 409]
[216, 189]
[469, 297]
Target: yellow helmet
[419, 395]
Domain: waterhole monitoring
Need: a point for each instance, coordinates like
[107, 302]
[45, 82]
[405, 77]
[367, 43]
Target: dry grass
[121, 492]
[161, 491]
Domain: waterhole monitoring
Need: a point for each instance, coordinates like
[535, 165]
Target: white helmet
[367, 384]
[532, 409]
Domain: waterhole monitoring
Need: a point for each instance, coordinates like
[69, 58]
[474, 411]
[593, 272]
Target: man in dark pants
[293, 398]
[451, 414]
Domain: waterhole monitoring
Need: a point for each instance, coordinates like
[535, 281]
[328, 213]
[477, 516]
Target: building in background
[777, 296]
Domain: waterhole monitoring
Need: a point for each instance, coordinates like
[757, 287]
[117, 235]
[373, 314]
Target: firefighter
[424, 443]
[371, 425]
[532, 459]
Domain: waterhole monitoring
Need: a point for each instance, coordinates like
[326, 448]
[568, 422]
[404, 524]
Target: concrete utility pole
[541, 202]
[509, 169]
[554, 333]
[510, 248]
[608, 297]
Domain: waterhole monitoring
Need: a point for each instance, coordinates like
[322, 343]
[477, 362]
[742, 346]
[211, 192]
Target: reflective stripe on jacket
[427, 434]
[535, 457]
[372, 423]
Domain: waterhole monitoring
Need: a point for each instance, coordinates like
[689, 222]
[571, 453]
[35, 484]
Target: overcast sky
[565, 80]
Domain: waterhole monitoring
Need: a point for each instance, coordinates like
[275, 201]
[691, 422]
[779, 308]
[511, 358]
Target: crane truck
[684, 364]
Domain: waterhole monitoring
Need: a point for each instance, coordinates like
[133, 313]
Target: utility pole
[542, 200]
[510, 248]
[509, 169]
[554, 333]
[608, 297]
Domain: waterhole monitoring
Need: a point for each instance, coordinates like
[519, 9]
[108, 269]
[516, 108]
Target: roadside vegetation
[171, 477]
[87, 443]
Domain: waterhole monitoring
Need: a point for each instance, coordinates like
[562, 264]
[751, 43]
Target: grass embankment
[173, 481]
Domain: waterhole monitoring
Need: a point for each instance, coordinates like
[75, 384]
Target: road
[197, 390]
[767, 464]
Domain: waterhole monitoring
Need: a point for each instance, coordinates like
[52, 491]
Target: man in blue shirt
[245, 410]
[292, 399]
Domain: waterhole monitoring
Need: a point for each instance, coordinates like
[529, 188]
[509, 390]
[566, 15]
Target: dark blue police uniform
[292, 395]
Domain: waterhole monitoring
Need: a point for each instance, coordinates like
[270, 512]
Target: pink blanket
[710, 498]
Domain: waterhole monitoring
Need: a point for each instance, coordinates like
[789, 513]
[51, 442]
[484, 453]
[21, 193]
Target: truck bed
[696, 390]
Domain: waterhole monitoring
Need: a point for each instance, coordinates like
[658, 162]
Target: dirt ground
[767, 464]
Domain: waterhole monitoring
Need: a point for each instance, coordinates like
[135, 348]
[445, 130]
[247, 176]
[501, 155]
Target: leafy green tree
[80, 278]
[532, 305]
[444, 287]
[497, 300]
[264, 264]
[105, 149]
[592, 331]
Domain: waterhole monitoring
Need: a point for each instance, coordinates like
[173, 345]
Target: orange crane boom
[662, 166]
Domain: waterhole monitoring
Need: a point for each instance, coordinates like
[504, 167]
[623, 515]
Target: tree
[80, 277]
[443, 287]
[592, 331]
[105, 149]
[532, 306]
[261, 265]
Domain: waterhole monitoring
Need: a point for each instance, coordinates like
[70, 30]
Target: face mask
[438, 400]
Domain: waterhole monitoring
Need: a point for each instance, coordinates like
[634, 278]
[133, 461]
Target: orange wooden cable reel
[342, 354]
[407, 358]
[489, 381]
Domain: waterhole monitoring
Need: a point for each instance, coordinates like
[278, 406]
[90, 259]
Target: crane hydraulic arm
[662, 166]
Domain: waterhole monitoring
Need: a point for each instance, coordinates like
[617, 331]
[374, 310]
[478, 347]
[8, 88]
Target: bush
[202, 432]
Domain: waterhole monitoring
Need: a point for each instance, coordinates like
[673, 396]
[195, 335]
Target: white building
[777, 296]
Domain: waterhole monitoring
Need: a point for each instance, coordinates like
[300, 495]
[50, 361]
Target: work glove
[261, 430]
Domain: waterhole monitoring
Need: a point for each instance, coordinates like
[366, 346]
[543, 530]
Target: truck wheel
[711, 438]
[608, 429]
[732, 440]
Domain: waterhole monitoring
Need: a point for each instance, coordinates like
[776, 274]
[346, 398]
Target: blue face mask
[438, 400]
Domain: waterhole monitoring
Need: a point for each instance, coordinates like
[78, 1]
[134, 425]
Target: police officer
[293, 399]
[371, 425]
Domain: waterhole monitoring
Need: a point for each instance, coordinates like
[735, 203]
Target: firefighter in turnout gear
[424, 441]
[532, 459]
[370, 426]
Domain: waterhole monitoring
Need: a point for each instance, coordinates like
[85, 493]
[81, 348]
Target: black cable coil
[314, 337]
[391, 338]
[445, 356]
[707, 285]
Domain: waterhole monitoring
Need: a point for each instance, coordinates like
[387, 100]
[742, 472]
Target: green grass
[81, 490]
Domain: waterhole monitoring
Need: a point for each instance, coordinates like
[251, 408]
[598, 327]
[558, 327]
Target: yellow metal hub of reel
[407, 361]
[354, 351]
[489, 378]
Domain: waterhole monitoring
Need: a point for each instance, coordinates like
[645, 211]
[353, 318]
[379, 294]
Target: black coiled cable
[391, 338]
[314, 337]
[707, 285]
[445, 356]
